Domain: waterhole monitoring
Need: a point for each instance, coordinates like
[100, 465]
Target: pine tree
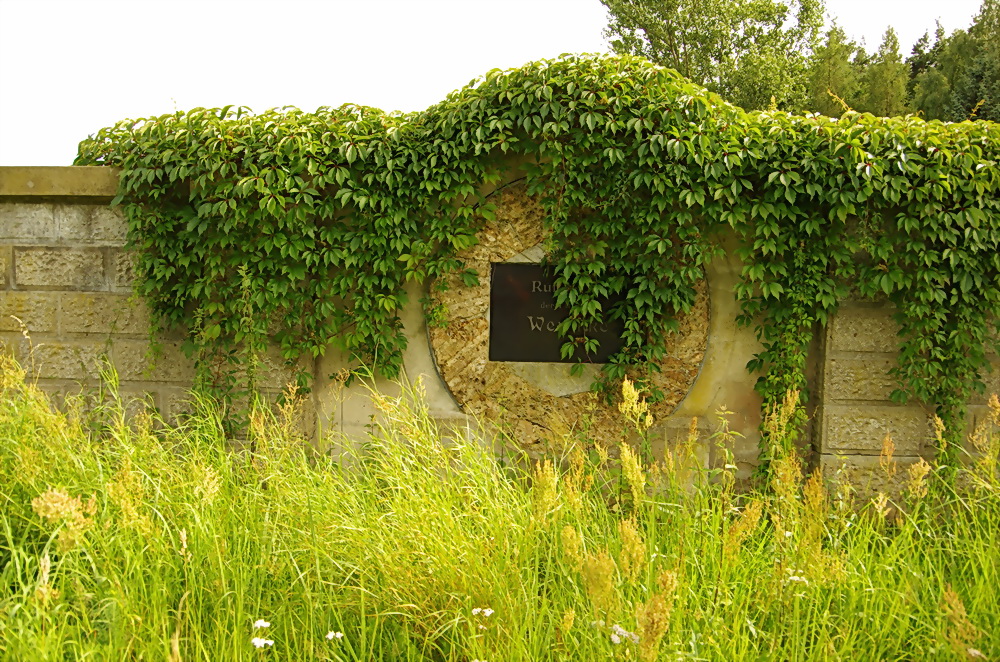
[977, 85]
[885, 80]
[831, 73]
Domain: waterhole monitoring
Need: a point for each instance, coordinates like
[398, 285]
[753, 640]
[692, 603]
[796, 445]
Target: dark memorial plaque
[523, 318]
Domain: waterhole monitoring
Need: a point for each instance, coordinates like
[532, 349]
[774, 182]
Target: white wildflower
[622, 633]
[487, 612]
[615, 639]
[260, 643]
[476, 611]
[261, 623]
[334, 635]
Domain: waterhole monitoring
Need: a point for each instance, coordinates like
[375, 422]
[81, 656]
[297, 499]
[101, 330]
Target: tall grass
[130, 539]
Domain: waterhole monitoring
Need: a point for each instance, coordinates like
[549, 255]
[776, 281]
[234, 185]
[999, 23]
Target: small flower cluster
[485, 612]
[796, 576]
[260, 642]
[619, 634]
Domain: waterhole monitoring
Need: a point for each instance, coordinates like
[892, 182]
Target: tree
[831, 72]
[977, 85]
[746, 50]
[924, 56]
[885, 80]
[929, 88]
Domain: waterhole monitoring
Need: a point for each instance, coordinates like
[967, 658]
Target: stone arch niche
[538, 403]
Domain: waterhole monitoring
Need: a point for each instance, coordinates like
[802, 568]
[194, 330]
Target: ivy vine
[303, 229]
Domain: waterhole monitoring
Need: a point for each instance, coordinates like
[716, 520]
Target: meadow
[129, 539]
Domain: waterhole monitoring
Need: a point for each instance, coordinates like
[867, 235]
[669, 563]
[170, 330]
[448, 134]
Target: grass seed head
[544, 492]
[632, 559]
[634, 407]
[885, 460]
[634, 475]
[599, 580]
[653, 617]
[572, 547]
[917, 484]
[742, 528]
[74, 515]
[961, 633]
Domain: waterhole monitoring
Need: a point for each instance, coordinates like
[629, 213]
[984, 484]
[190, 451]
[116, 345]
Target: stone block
[858, 379]
[992, 381]
[90, 224]
[59, 268]
[866, 476]
[102, 312]
[5, 264]
[860, 429]
[27, 222]
[864, 330]
[94, 400]
[346, 448]
[66, 360]
[123, 269]
[275, 373]
[175, 403]
[357, 407]
[59, 181]
[36, 310]
[136, 360]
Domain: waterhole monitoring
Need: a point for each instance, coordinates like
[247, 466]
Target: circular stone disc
[539, 403]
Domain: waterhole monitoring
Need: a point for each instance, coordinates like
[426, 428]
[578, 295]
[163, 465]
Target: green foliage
[885, 80]
[747, 51]
[309, 225]
[833, 74]
[154, 542]
[958, 77]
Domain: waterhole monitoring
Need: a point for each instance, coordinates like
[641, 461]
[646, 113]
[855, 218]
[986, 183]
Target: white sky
[71, 67]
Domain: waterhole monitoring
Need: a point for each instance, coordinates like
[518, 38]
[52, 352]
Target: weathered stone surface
[66, 360]
[5, 266]
[866, 475]
[274, 373]
[27, 222]
[102, 313]
[36, 310]
[135, 360]
[90, 395]
[174, 402]
[53, 181]
[123, 269]
[863, 330]
[860, 429]
[992, 381]
[539, 410]
[858, 379]
[59, 268]
[90, 224]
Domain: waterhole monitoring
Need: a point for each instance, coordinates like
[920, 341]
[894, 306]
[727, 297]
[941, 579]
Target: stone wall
[67, 309]
[856, 413]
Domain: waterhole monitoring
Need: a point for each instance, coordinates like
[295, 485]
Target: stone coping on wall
[37, 183]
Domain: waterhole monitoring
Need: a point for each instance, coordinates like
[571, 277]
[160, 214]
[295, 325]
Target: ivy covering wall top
[304, 227]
